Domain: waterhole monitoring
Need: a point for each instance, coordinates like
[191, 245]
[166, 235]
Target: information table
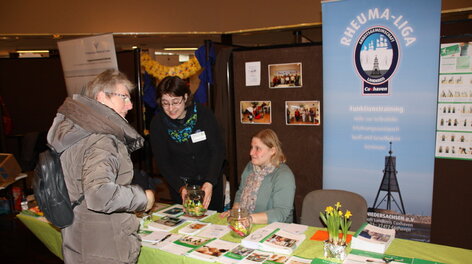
[51, 237]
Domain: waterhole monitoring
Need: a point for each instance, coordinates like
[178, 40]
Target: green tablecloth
[51, 237]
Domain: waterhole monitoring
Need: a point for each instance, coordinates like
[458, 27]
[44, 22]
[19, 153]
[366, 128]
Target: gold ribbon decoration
[159, 71]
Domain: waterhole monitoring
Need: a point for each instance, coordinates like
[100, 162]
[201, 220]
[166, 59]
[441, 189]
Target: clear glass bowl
[193, 201]
[240, 222]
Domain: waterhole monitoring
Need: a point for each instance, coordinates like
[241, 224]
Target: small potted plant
[336, 221]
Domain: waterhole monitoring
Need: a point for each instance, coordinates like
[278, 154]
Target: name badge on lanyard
[198, 136]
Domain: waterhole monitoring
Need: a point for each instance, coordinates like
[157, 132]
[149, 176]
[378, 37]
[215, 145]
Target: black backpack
[50, 190]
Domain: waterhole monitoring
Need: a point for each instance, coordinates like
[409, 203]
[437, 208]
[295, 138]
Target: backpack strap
[78, 202]
[82, 195]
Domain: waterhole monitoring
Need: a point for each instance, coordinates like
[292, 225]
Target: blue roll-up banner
[380, 82]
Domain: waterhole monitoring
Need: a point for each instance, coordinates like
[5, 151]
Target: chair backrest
[317, 201]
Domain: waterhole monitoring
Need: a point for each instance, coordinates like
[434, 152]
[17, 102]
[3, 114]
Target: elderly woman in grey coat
[95, 140]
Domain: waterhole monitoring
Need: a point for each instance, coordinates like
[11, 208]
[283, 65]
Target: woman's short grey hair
[107, 82]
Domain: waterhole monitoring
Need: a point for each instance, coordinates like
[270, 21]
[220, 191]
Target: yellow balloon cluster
[184, 70]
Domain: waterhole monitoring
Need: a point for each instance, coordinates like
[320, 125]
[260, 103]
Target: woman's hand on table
[208, 189]
[150, 200]
[224, 214]
[183, 193]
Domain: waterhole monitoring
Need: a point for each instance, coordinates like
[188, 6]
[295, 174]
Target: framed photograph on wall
[256, 112]
[302, 113]
[286, 75]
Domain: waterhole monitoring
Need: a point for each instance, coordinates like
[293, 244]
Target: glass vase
[193, 201]
[332, 250]
[240, 222]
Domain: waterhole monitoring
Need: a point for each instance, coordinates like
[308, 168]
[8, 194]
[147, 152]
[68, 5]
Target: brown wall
[89, 16]
[302, 145]
[452, 178]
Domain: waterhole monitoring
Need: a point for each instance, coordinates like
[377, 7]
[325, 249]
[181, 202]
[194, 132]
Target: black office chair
[317, 201]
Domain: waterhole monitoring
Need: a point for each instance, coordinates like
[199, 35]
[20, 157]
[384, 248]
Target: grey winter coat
[96, 142]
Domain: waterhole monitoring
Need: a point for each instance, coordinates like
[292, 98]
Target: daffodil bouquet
[335, 220]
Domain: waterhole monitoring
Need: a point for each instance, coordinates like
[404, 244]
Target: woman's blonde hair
[270, 139]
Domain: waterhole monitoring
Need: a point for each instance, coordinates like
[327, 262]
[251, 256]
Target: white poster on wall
[84, 58]
[253, 73]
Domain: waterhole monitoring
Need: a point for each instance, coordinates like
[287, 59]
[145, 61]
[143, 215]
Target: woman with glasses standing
[187, 143]
[95, 141]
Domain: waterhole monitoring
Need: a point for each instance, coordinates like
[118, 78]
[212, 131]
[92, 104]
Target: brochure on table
[157, 239]
[166, 223]
[177, 210]
[214, 231]
[273, 240]
[359, 256]
[213, 250]
[236, 255]
[281, 241]
[193, 228]
[185, 244]
[372, 238]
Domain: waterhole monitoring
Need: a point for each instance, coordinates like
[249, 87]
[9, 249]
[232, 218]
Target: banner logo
[376, 59]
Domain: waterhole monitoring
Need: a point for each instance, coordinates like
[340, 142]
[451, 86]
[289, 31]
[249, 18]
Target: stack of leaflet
[236, 254]
[213, 250]
[372, 238]
[165, 223]
[253, 239]
[157, 239]
[175, 210]
[185, 244]
[281, 241]
[193, 228]
[242, 255]
[359, 256]
[276, 238]
[214, 231]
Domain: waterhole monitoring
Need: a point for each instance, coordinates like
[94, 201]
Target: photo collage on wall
[285, 75]
[255, 112]
[302, 113]
[454, 118]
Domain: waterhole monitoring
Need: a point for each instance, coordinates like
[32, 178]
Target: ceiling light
[164, 53]
[180, 49]
[32, 51]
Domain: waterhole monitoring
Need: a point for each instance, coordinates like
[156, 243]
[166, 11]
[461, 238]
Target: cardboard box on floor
[9, 168]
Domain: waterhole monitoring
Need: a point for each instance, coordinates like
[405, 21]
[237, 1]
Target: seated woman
[267, 186]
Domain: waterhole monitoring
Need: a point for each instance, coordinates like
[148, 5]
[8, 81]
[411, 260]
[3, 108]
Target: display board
[84, 58]
[380, 66]
[454, 126]
[290, 107]
[452, 179]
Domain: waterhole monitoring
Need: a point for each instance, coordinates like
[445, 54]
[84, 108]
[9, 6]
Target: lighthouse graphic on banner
[376, 55]
[389, 185]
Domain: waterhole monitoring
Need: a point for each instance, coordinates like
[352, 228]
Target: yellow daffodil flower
[338, 205]
[348, 214]
[329, 209]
